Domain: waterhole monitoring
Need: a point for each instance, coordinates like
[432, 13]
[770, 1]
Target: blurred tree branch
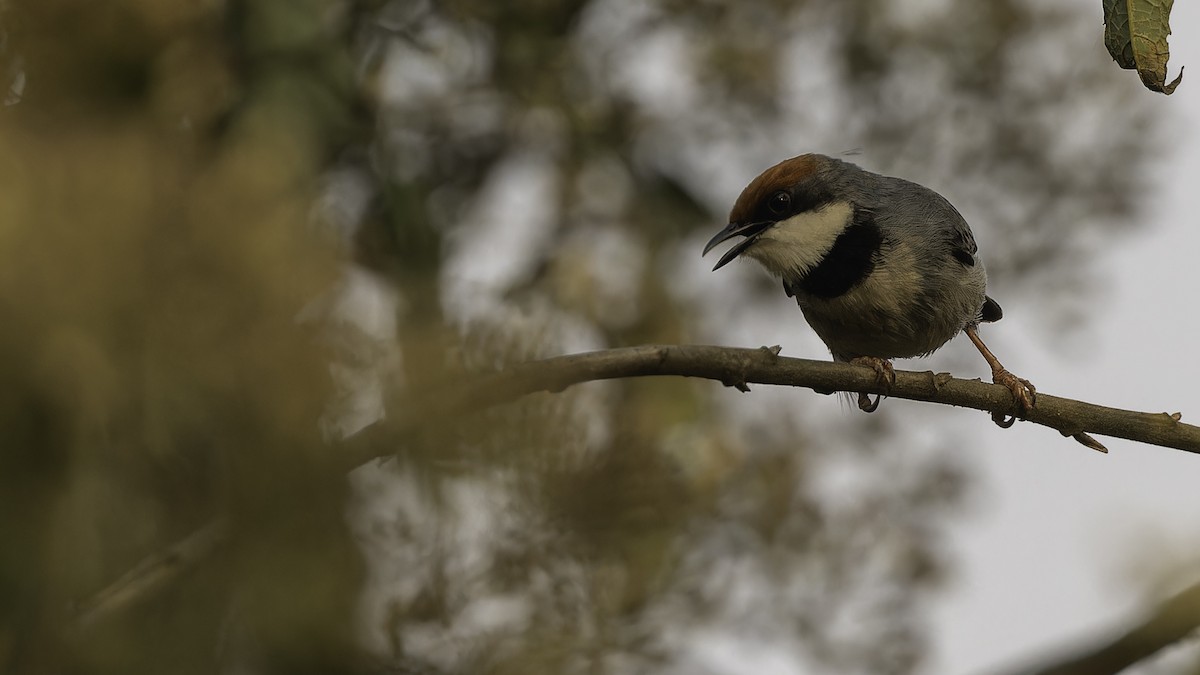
[1172, 621]
[157, 571]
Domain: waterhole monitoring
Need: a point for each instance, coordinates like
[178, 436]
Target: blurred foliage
[157, 177]
[183, 182]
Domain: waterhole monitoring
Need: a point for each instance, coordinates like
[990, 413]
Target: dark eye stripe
[804, 196]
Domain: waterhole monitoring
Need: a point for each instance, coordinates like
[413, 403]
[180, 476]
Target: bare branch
[739, 367]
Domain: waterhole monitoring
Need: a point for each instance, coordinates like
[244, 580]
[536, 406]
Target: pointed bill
[748, 230]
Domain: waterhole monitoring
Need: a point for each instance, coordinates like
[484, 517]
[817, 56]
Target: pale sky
[1064, 539]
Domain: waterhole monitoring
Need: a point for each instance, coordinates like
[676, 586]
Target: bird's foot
[1023, 391]
[885, 375]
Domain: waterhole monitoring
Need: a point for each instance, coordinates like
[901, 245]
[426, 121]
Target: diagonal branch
[152, 574]
[1174, 620]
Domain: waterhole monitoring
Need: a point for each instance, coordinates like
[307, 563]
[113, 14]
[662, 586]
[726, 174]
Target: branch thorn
[739, 384]
[1090, 442]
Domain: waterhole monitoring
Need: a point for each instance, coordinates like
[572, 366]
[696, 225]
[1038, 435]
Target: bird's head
[790, 215]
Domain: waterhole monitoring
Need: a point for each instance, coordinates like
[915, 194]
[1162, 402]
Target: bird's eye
[780, 203]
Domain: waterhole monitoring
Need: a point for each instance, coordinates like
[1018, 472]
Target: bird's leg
[1023, 391]
[885, 375]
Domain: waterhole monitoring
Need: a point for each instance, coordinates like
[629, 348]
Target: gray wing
[911, 205]
[958, 234]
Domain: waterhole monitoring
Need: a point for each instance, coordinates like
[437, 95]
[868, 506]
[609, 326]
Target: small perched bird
[881, 267]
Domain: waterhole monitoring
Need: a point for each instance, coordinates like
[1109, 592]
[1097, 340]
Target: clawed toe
[885, 376]
[1022, 390]
[1004, 421]
[865, 403]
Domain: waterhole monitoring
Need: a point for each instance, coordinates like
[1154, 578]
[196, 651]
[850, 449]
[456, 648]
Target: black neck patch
[850, 261]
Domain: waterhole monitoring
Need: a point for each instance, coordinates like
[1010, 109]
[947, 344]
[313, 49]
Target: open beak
[748, 230]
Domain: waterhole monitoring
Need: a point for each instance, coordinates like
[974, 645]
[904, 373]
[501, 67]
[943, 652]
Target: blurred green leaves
[155, 252]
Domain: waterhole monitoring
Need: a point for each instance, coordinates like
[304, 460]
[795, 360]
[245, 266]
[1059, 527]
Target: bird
[881, 267]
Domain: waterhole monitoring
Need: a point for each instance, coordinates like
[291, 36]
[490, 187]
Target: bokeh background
[238, 236]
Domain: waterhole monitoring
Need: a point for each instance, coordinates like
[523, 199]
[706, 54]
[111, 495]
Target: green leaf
[1135, 32]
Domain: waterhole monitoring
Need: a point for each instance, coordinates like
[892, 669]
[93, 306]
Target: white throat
[793, 247]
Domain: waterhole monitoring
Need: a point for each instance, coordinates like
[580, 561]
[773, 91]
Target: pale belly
[867, 322]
